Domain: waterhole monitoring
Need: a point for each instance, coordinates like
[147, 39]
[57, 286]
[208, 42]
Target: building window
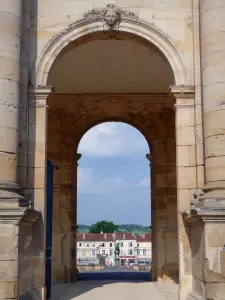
[111, 252]
[93, 245]
[93, 252]
[130, 252]
[110, 245]
[121, 244]
[102, 245]
[130, 244]
[138, 252]
[138, 245]
[80, 244]
[87, 244]
[144, 251]
[103, 252]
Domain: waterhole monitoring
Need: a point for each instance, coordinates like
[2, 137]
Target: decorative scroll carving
[197, 194]
[111, 16]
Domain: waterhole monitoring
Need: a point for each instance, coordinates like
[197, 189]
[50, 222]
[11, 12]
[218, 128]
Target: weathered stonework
[169, 85]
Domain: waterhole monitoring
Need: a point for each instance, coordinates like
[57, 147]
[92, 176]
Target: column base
[11, 196]
[207, 240]
[212, 196]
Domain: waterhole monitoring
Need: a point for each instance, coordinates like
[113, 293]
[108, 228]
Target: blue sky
[113, 175]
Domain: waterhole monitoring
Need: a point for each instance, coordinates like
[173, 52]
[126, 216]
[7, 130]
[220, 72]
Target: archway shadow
[88, 281]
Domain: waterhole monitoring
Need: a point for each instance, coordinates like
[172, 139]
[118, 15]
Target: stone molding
[38, 96]
[184, 96]
[88, 26]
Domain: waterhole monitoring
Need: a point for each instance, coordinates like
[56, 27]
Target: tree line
[109, 227]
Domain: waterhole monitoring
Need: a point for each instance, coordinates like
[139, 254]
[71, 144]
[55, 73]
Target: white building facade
[92, 247]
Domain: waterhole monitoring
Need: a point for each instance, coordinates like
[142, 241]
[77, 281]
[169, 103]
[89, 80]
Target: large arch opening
[124, 79]
[113, 182]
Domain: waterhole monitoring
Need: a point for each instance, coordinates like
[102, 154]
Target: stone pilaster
[37, 172]
[64, 230]
[186, 177]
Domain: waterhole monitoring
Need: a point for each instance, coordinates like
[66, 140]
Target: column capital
[182, 91]
[38, 95]
[184, 96]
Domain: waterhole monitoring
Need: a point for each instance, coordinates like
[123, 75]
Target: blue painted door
[49, 209]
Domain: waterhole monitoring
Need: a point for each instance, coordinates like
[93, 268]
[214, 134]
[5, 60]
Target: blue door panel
[49, 212]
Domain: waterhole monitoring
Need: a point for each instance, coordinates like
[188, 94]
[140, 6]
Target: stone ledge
[24, 216]
[212, 214]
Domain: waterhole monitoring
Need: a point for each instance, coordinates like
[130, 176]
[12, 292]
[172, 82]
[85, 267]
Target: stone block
[8, 247]
[215, 168]
[214, 92]
[8, 163]
[8, 289]
[8, 270]
[36, 178]
[183, 200]
[215, 123]
[186, 156]
[185, 117]
[8, 138]
[186, 177]
[185, 136]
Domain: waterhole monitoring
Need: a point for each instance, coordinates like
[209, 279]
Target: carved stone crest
[111, 16]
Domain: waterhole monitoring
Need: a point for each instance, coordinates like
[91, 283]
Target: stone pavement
[111, 290]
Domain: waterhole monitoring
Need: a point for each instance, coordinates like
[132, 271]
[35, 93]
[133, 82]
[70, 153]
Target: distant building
[143, 251]
[92, 247]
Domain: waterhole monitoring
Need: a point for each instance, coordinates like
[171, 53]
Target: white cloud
[88, 183]
[145, 182]
[113, 139]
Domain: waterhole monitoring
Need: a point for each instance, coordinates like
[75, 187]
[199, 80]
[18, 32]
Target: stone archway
[159, 129]
[148, 115]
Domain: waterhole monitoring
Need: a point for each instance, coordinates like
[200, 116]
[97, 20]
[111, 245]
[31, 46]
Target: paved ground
[115, 284]
[112, 290]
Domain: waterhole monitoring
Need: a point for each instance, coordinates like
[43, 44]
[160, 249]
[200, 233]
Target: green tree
[104, 226]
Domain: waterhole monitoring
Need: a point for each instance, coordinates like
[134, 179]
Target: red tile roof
[111, 237]
[147, 237]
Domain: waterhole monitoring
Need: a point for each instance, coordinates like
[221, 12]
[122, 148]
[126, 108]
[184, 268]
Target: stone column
[207, 217]
[11, 202]
[212, 25]
[186, 178]
[37, 175]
